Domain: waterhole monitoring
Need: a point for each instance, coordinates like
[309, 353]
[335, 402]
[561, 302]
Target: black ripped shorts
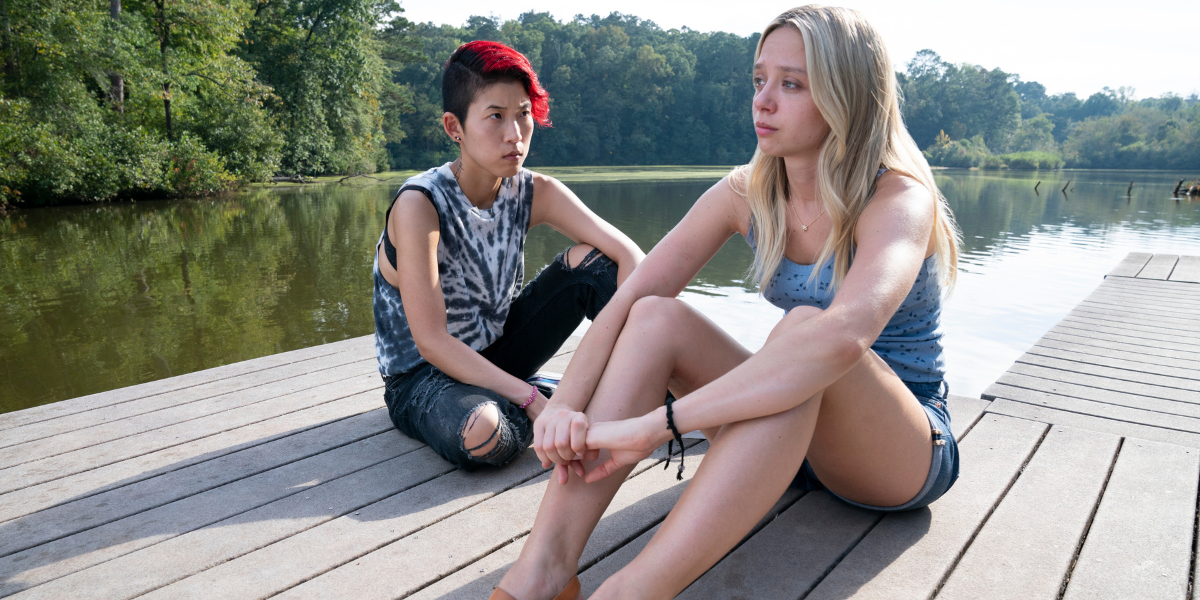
[428, 405]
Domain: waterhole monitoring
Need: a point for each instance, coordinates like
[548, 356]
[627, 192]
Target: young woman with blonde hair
[854, 241]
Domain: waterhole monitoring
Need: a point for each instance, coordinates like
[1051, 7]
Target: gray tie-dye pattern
[911, 343]
[481, 264]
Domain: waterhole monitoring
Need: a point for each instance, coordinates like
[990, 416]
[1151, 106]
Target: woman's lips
[512, 156]
[764, 129]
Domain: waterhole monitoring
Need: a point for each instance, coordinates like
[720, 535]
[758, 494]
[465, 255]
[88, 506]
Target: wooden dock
[282, 476]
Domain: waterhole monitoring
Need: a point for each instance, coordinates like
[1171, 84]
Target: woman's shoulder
[897, 191]
[429, 179]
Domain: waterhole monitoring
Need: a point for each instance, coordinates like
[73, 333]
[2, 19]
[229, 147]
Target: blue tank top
[911, 343]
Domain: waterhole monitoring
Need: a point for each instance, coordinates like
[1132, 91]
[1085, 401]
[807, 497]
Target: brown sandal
[571, 592]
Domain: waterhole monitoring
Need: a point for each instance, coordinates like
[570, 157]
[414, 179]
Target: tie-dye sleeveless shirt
[481, 265]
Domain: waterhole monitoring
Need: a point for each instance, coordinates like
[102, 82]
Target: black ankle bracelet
[678, 438]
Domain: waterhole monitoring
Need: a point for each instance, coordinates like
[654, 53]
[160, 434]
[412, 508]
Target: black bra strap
[389, 249]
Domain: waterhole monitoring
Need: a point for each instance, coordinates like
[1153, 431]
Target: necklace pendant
[804, 228]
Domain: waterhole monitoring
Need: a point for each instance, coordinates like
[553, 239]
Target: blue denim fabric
[943, 469]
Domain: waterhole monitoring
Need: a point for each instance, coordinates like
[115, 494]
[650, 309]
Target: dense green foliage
[182, 97]
[966, 116]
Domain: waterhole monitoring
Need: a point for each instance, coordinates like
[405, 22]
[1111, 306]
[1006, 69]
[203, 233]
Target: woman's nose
[763, 102]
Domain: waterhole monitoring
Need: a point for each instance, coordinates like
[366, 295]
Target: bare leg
[866, 436]
[664, 344]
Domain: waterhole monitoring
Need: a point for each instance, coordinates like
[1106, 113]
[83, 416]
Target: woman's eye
[791, 85]
[758, 82]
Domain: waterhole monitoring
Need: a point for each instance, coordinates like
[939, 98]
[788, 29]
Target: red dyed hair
[479, 64]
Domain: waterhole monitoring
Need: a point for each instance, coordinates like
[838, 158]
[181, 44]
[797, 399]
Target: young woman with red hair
[456, 334]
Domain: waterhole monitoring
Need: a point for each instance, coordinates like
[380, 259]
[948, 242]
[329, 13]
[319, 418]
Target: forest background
[152, 98]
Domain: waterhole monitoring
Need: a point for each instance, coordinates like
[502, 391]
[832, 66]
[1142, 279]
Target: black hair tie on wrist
[678, 438]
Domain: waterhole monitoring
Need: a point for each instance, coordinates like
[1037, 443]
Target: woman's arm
[554, 204]
[414, 228]
[559, 434]
[803, 358]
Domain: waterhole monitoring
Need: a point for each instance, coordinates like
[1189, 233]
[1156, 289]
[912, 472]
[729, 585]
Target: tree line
[104, 99]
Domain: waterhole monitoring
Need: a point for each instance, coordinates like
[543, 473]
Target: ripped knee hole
[481, 432]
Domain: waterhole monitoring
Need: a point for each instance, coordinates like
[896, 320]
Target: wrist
[654, 424]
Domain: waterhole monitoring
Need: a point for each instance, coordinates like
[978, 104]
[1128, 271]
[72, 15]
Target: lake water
[105, 296]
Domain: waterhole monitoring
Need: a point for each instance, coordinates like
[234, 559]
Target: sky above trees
[1069, 46]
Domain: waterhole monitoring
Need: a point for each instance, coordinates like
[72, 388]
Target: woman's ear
[452, 126]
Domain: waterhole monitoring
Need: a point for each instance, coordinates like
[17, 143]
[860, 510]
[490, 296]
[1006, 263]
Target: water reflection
[101, 297]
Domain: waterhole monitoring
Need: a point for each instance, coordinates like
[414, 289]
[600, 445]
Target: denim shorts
[943, 469]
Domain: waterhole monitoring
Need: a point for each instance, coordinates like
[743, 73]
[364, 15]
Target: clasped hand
[566, 439]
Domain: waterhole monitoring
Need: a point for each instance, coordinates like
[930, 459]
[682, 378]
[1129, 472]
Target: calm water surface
[101, 297]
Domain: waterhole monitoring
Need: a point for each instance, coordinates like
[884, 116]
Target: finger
[602, 471]
[577, 467]
[562, 473]
[590, 455]
[579, 428]
[562, 443]
[538, 434]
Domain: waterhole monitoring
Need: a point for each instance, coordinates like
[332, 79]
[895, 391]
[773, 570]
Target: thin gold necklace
[804, 227]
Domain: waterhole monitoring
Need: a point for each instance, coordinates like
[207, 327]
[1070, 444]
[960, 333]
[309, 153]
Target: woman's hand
[559, 435]
[628, 441]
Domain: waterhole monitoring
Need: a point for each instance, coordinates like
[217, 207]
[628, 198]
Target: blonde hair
[854, 87]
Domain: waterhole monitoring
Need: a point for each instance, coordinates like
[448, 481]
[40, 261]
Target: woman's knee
[656, 312]
[488, 437]
[794, 317]
[577, 254]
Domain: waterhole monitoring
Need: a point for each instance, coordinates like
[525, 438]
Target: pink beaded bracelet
[532, 396]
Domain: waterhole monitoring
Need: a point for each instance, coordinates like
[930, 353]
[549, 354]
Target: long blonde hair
[854, 87]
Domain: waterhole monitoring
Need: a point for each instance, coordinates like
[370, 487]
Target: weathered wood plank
[1121, 336]
[1043, 358]
[1132, 344]
[965, 412]
[1187, 270]
[1147, 299]
[1182, 324]
[1053, 398]
[791, 554]
[1098, 349]
[1026, 548]
[1168, 292]
[95, 481]
[149, 568]
[83, 514]
[1130, 265]
[1165, 287]
[283, 565]
[447, 545]
[1004, 406]
[1158, 267]
[47, 444]
[77, 552]
[76, 461]
[1105, 383]
[207, 377]
[1140, 543]
[1131, 330]
[908, 554]
[1174, 311]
